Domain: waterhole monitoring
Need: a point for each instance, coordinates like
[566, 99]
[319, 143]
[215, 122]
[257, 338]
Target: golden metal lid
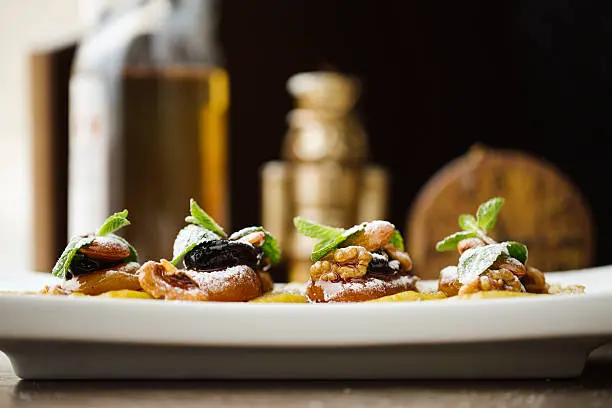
[324, 91]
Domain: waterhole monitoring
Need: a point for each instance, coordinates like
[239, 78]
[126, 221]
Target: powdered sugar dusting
[331, 290]
[221, 280]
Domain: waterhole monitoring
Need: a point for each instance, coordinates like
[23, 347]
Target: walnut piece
[342, 263]
[401, 256]
[493, 279]
[256, 238]
[534, 281]
[468, 243]
[374, 236]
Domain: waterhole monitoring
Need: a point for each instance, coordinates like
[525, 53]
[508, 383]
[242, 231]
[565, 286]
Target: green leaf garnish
[313, 230]
[199, 217]
[270, 248]
[450, 243]
[113, 223]
[397, 240]
[188, 238]
[324, 247]
[62, 266]
[329, 238]
[517, 251]
[467, 222]
[488, 212]
[475, 261]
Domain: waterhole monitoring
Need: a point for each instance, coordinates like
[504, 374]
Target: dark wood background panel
[438, 76]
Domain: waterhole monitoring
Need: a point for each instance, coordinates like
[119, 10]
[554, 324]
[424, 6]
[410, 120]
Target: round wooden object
[543, 210]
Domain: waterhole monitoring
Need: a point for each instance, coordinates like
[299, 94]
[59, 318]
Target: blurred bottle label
[89, 155]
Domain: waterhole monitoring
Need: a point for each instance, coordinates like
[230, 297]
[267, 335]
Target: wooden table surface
[593, 389]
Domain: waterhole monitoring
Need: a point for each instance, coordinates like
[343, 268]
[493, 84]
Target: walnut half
[493, 279]
[342, 263]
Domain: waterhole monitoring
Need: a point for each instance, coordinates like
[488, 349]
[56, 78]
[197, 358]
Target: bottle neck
[190, 35]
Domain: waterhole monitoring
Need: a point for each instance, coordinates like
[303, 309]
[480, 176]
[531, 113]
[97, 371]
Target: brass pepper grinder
[324, 175]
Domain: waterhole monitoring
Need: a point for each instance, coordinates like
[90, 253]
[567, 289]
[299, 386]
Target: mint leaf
[113, 223]
[397, 240]
[270, 247]
[329, 238]
[517, 251]
[313, 230]
[133, 256]
[488, 212]
[62, 266]
[199, 217]
[188, 238]
[475, 261]
[325, 246]
[467, 222]
[450, 243]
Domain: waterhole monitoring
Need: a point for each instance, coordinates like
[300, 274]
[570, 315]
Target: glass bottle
[149, 102]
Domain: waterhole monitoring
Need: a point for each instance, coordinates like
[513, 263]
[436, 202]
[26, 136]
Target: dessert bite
[98, 262]
[364, 262]
[484, 264]
[216, 267]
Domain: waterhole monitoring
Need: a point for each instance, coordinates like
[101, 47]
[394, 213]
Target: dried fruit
[221, 254]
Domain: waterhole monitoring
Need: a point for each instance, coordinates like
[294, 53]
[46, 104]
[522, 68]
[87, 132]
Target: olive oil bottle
[149, 103]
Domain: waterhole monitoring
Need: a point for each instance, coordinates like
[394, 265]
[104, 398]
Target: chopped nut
[168, 267]
[468, 243]
[494, 279]
[534, 281]
[345, 254]
[401, 256]
[374, 236]
[510, 264]
[449, 281]
[485, 283]
[256, 238]
[106, 249]
[343, 263]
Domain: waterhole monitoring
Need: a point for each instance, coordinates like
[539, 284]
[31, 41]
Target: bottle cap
[325, 91]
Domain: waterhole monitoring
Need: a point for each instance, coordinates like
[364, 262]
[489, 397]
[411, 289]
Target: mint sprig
[478, 226]
[329, 238]
[397, 240]
[199, 217]
[450, 243]
[113, 223]
[476, 261]
[487, 213]
[314, 230]
[517, 251]
[62, 266]
[325, 246]
[270, 248]
[118, 220]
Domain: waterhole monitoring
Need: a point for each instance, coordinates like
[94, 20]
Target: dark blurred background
[437, 77]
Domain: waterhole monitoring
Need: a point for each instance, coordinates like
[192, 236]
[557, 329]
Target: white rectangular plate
[101, 338]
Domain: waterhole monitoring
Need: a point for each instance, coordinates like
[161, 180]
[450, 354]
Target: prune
[82, 264]
[380, 264]
[221, 254]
